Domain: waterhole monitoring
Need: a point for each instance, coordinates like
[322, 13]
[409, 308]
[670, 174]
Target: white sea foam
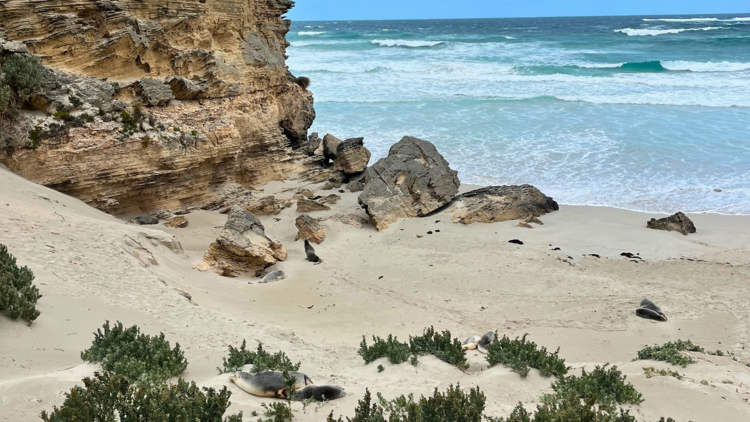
[406, 43]
[632, 32]
[310, 33]
[698, 20]
[509, 37]
[601, 65]
[705, 67]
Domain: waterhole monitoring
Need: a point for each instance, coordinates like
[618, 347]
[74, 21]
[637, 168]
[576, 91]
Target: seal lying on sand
[311, 253]
[470, 343]
[649, 310]
[274, 276]
[269, 383]
[319, 393]
[485, 341]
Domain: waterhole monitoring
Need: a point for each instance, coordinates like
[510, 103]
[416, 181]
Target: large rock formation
[501, 203]
[243, 247]
[674, 223]
[239, 114]
[413, 181]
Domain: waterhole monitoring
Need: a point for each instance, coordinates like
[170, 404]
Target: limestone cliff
[157, 103]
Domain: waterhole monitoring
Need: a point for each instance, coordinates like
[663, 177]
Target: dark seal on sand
[649, 310]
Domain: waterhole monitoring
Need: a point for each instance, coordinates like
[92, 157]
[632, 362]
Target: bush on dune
[671, 352]
[440, 345]
[111, 397]
[18, 295]
[520, 355]
[260, 359]
[136, 356]
[452, 406]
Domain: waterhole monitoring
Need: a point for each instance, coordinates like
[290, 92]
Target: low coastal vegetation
[651, 372]
[112, 397]
[260, 359]
[18, 295]
[452, 406]
[671, 352]
[21, 78]
[440, 345]
[607, 386]
[521, 355]
[132, 385]
[135, 356]
[592, 397]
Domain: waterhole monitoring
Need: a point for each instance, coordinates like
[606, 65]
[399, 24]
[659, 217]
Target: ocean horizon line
[739, 14]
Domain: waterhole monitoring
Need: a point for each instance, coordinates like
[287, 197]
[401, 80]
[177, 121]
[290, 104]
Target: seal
[470, 343]
[319, 393]
[485, 341]
[311, 253]
[274, 276]
[269, 383]
[649, 310]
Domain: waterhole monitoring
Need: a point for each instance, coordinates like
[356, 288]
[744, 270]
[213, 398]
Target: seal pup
[311, 253]
[649, 310]
[274, 276]
[485, 342]
[470, 343]
[269, 383]
[319, 393]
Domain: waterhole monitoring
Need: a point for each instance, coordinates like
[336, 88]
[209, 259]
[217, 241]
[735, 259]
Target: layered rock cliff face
[204, 80]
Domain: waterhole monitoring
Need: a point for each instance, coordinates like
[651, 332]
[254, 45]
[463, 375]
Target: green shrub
[129, 124]
[651, 372]
[429, 343]
[194, 133]
[18, 295]
[439, 345]
[64, 116]
[85, 117]
[136, 356]
[671, 352]
[381, 368]
[24, 74]
[520, 355]
[303, 82]
[35, 137]
[260, 359]
[109, 397]
[394, 350]
[276, 412]
[607, 386]
[6, 94]
[452, 406]
[568, 407]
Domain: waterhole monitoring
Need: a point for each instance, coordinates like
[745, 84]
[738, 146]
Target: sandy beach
[92, 267]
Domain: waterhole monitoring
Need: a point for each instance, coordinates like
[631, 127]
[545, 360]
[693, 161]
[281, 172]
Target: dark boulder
[413, 181]
[675, 223]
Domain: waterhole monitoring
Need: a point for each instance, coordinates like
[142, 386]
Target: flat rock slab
[308, 205]
[494, 204]
[413, 181]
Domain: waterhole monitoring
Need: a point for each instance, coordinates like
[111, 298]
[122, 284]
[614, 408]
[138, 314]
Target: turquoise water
[642, 113]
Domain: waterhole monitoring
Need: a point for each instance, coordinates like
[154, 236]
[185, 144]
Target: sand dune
[92, 267]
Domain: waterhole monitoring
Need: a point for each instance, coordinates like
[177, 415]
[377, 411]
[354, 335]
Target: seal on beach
[311, 253]
[274, 276]
[649, 310]
[485, 342]
[319, 393]
[269, 383]
[470, 343]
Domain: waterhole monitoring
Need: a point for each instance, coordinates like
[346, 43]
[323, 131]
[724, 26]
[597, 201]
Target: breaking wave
[632, 32]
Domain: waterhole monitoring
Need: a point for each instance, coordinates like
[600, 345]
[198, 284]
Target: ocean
[647, 113]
